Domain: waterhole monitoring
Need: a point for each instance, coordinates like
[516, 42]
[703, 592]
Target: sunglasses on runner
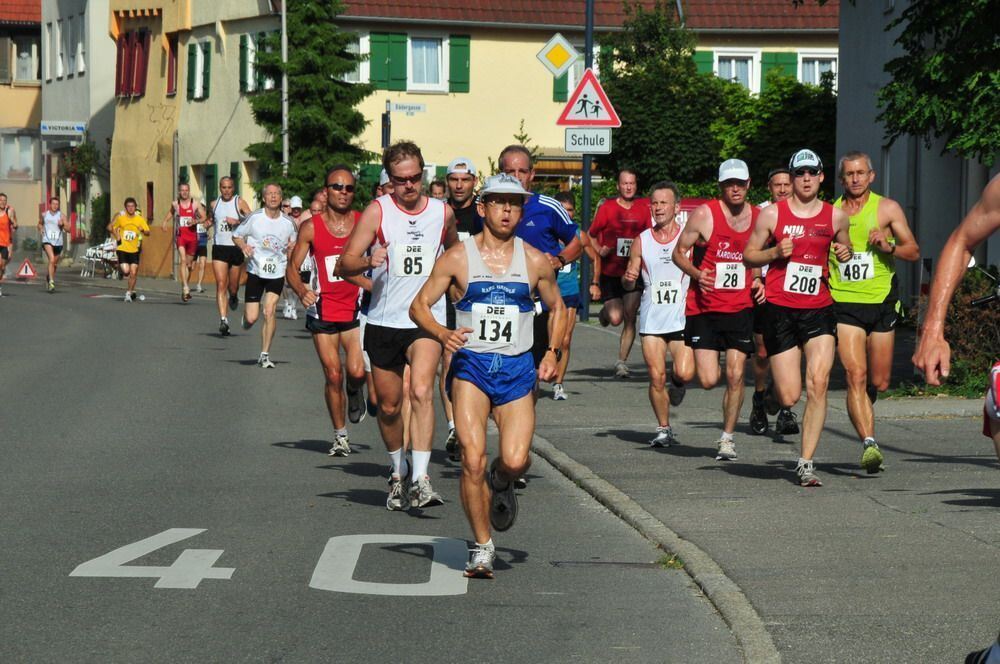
[799, 172]
[413, 179]
[337, 186]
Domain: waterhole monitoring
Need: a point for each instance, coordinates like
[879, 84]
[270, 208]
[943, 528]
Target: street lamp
[279, 6]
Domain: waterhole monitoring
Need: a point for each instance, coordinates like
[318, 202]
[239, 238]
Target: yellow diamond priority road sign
[558, 55]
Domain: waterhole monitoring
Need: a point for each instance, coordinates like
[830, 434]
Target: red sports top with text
[185, 212]
[800, 281]
[615, 226]
[723, 256]
[338, 299]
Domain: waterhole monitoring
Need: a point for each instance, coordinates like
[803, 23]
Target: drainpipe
[175, 183]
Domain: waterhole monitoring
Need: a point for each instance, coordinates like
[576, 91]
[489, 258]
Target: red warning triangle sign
[589, 105]
[26, 271]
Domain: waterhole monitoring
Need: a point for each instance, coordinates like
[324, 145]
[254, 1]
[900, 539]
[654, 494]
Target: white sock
[340, 432]
[397, 460]
[727, 436]
[421, 460]
[487, 545]
[867, 440]
[666, 428]
[451, 424]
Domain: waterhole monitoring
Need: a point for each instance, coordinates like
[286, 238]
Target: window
[251, 79]
[199, 70]
[358, 46]
[47, 60]
[18, 157]
[812, 66]
[132, 61]
[150, 214]
[427, 64]
[81, 47]
[28, 65]
[57, 49]
[69, 45]
[171, 65]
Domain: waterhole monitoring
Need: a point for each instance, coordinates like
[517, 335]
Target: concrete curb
[722, 592]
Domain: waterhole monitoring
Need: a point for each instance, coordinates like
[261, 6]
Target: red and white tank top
[801, 281]
[723, 255]
[414, 241]
[338, 299]
[185, 216]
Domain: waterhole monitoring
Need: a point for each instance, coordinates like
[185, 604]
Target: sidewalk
[888, 568]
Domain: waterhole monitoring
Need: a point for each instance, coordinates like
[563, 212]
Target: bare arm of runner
[698, 228]
[548, 290]
[299, 253]
[634, 267]
[354, 261]
[906, 247]
[445, 272]
[933, 355]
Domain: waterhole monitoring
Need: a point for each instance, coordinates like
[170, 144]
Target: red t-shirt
[183, 212]
[338, 299]
[723, 254]
[615, 226]
[801, 281]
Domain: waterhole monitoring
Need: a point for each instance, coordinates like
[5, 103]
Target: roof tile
[21, 11]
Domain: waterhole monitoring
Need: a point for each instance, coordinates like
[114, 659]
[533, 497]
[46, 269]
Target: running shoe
[503, 502]
[372, 408]
[356, 410]
[621, 370]
[990, 655]
[452, 447]
[199, 289]
[264, 361]
[676, 393]
[51, 287]
[664, 438]
[758, 414]
[1, 292]
[871, 457]
[244, 324]
[872, 393]
[807, 473]
[521, 482]
[786, 424]
[341, 446]
[422, 494]
[480, 565]
[224, 327]
[185, 295]
[234, 302]
[128, 296]
[771, 402]
[558, 393]
[726, 450]
[602, 317]
[397, 494]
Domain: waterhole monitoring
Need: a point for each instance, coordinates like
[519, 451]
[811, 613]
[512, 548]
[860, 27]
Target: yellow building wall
[22, 108]
[142, 144]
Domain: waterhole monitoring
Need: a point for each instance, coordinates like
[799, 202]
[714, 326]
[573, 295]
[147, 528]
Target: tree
[323, 121]
[648, 71]
[946, 84]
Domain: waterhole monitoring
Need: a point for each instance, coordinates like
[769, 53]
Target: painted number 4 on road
[334, 571]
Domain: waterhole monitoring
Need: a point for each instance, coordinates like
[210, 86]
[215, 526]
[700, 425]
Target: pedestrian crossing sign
[26, 271]
[589, 105]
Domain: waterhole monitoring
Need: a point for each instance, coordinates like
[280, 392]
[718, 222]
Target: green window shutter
[440, 172]
[785, 63]
[211, 182]
[397, 61]
[206, 49]
[244, 63]
[560, 88]
[182, 175]
[458, 63]
[234, 173]
[378, 60]
[704, 61]
[192, 60]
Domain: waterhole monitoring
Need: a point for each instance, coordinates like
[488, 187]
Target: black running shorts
[317, 326]
[387, 346]
[869, 317]
[787, 327]
[256, 287]
[227, 254]
[721, 332]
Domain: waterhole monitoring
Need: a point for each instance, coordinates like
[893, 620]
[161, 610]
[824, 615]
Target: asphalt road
[135, 429]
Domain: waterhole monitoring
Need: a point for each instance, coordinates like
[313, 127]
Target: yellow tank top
[867, 277]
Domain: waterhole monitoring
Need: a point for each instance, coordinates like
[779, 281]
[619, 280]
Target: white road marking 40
[334, 571]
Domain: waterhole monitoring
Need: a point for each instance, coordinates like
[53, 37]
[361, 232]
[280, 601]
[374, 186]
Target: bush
[100, 217]
[974, 336]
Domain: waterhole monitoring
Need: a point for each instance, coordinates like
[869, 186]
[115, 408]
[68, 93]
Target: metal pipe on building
[284, 88]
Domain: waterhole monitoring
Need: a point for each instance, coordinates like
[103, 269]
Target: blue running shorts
[502, 378]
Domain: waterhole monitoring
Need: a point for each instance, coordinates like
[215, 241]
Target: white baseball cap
[733, 169]
[296, 202]
[503, 184]
[461, 165]
[805, 158]
[383, 178]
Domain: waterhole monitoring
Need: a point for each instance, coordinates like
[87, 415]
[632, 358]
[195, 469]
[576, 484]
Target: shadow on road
[976, 497]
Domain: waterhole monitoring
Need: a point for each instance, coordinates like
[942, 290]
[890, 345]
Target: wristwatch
[561, 259]
[557, 352]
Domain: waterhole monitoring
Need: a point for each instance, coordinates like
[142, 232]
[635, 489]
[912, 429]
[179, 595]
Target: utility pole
[585, 266]
[284, 88]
